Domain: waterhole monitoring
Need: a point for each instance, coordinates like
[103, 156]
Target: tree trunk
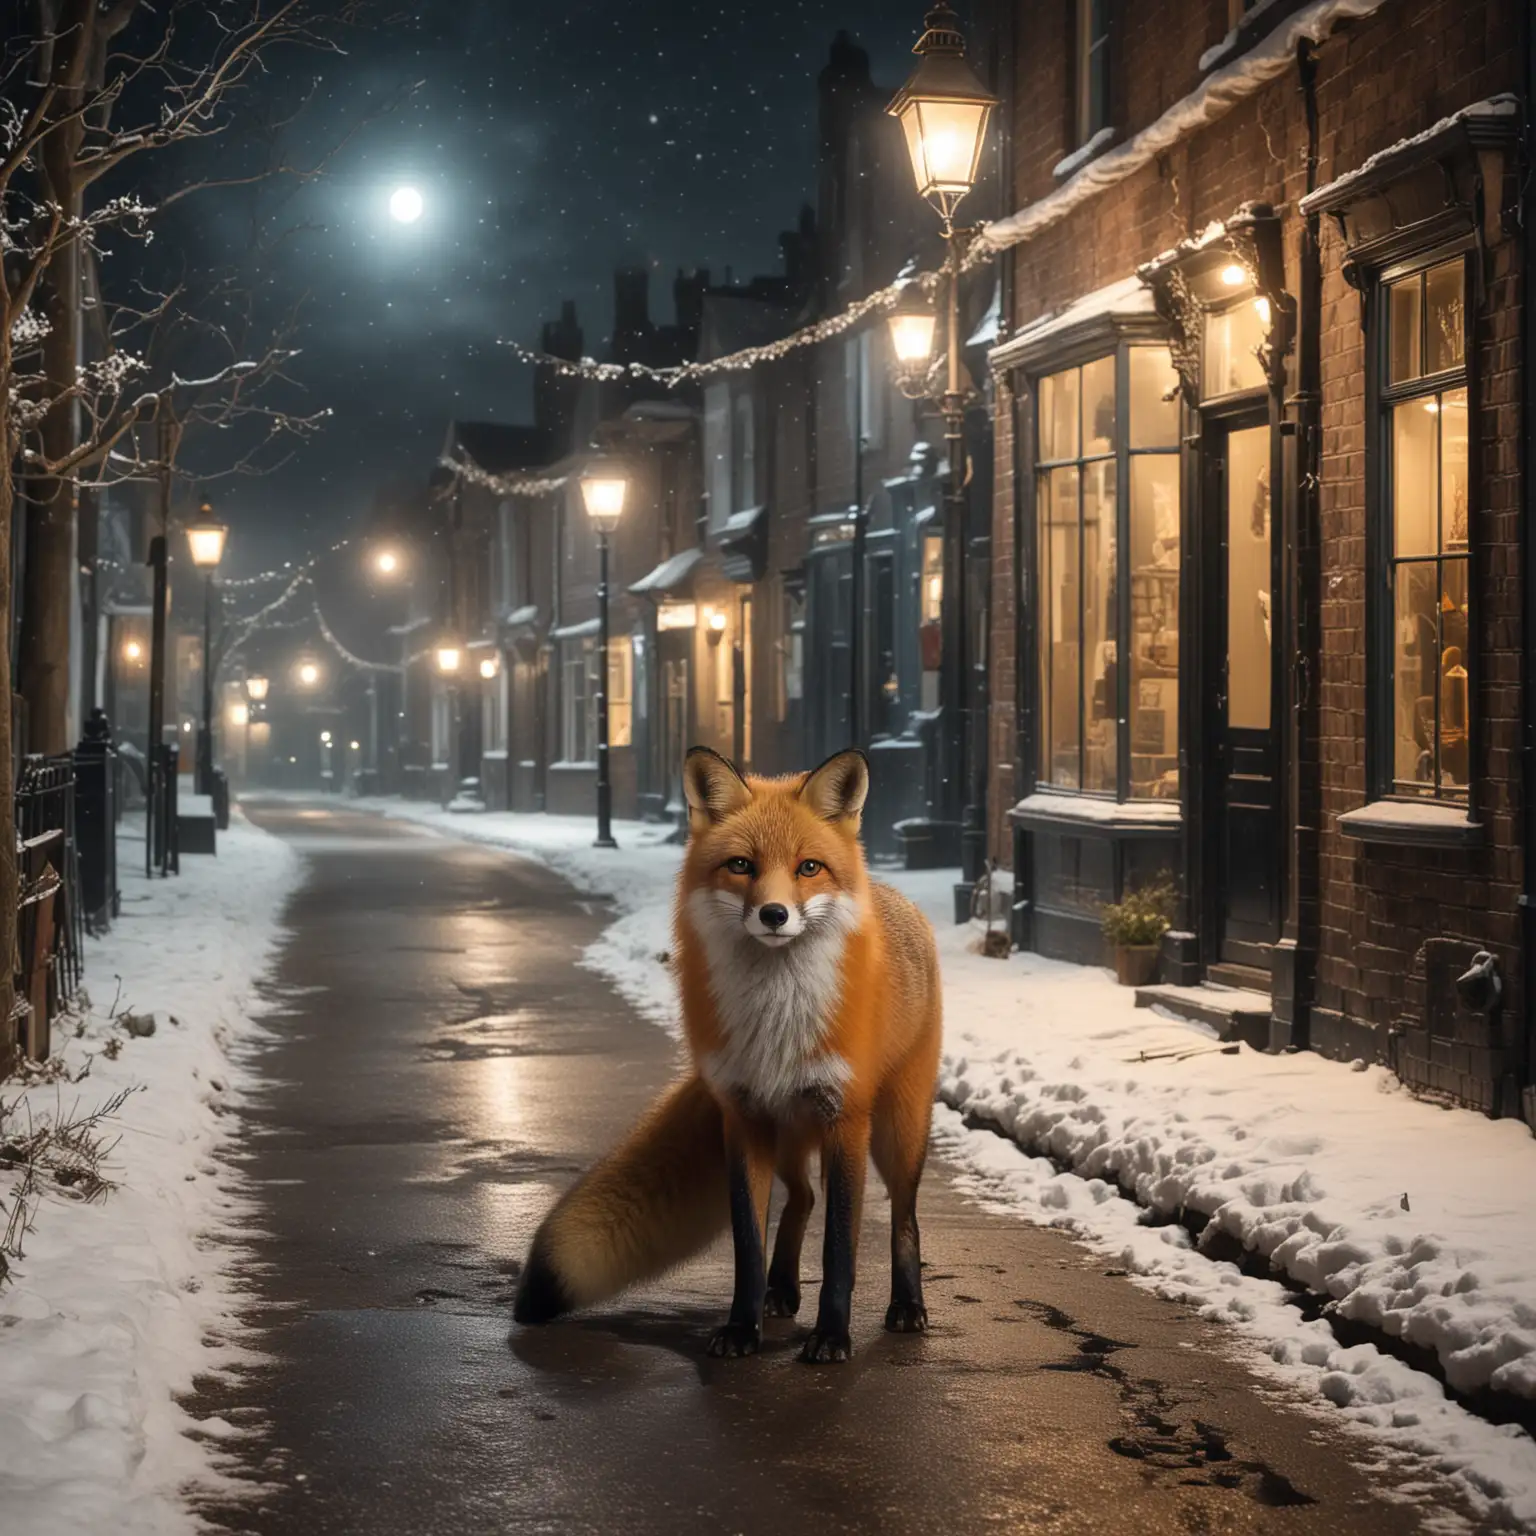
[8, 887]
[48, 582]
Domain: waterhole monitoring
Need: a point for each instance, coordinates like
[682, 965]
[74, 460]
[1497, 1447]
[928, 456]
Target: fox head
[776, 859]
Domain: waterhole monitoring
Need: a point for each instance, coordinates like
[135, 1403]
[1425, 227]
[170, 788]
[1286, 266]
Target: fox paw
[826, 1344]
[906, 1317]
[782, 1300]
[735, 1340]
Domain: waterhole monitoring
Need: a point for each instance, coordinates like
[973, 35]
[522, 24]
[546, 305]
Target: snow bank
[116, 1306]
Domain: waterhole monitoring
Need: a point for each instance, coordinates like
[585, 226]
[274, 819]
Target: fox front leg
[845, 1156]
[749, 1167]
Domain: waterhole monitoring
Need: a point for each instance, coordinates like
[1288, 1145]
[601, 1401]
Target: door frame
[1205, 820]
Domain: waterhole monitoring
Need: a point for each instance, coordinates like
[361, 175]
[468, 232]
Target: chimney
[631, 308]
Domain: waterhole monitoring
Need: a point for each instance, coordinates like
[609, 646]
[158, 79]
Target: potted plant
[1135, 925]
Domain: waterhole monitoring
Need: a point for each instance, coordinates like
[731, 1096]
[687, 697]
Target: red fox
[811, 1006]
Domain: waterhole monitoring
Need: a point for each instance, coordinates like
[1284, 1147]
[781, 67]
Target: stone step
[1235, 1013]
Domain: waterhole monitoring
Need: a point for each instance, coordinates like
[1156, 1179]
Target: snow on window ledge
[1091, 813]
[1423, 823]
[1071, 164]
[571, 765]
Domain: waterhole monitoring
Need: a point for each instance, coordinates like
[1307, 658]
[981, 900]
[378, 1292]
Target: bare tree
[91, 86]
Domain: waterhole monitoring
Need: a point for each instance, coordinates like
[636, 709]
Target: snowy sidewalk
[1416, 1221]
[116, 1304]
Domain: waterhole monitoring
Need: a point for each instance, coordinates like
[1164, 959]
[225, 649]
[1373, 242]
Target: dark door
[1247, 827]
[829, 618]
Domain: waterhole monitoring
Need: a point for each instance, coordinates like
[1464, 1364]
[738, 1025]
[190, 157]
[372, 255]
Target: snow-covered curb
[118, 1305]
[1302, 1160]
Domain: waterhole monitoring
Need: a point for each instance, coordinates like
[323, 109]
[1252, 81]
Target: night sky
[551, 143]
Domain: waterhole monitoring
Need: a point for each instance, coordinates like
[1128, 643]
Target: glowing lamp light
[206, 539]
[353, 745]
[1233, 275]
[406, 205]
[239, 714]
[912, 326]
[387, 562]
[325, 738]
[447, 658]
[604, 486]
[943, 110]
[309, 674]
[256, 687]
[488, 668]
[1261, 305]
[133, 651]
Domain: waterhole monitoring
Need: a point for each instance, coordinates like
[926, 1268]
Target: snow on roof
[1214, 231]
[1129, 296]
[1211, 100]
[1504, 105]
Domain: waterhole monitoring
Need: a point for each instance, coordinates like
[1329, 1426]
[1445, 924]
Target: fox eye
[740, 866]
[809, 867]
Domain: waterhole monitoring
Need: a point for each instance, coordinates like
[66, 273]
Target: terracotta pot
[1136, 964]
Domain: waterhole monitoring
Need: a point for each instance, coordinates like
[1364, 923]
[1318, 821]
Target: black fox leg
[899, 1145]
[784, 1272]
[846, 1154]
[750, 1173]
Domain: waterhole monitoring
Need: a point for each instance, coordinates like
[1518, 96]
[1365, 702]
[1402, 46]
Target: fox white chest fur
[774, 1005]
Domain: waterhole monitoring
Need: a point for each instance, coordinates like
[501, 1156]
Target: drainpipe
[1527, 451]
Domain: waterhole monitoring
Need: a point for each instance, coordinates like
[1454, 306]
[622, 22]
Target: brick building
[1257, 546]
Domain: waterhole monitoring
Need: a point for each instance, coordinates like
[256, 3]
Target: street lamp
[604, 485]
[387, 562]
[206, 538]
[449, 654]
[943, 110]
[256, 687]
[309, 674]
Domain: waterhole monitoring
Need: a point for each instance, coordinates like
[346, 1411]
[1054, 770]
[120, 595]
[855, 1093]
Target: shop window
[791, 652]
[1230, 363]
[931, 610]
[1425, 492]
[578, 708]
[1108, 521]
[621, 682]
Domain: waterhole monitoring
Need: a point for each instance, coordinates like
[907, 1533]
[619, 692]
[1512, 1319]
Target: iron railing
[49, 864]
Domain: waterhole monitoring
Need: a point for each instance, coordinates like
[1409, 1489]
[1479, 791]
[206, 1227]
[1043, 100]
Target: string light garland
[502, 485]
[878, 303]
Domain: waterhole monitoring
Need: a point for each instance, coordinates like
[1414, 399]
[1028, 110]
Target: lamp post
[449, 654]
[256, 692]
[206, 539]
[604, 486]
[943, 110]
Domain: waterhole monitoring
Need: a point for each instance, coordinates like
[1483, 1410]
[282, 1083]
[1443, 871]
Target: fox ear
[713, 787]
[836, 790]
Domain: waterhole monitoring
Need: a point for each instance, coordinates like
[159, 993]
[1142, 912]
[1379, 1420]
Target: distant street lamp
[943, 110]
[604, 486]
[309, 674]
[206, 539]
[256, 687]
[449, 655]
[387, 562]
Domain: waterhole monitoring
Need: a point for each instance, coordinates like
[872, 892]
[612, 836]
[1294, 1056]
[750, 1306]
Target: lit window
[621, 671]
[1107, 514]
[1425, 483]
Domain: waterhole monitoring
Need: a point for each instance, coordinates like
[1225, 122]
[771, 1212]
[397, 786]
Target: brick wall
[1379, 80]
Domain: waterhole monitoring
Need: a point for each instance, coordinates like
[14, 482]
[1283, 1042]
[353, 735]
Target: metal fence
[52, 918]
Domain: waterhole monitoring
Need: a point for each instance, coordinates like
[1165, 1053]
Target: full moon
[405, 205]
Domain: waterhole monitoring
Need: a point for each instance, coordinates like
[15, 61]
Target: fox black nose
[772, 915]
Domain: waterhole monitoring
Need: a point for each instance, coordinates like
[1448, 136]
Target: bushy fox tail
[653, 1202]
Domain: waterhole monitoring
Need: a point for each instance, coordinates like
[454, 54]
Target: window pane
[1249, 583]
[1454, 697]
[1099, 407]
[1415, 663]
[1403, 323]
[1101, 704]
[1414, 477]
[1059, 619]
[1154, 645]
[1453, 469]
[1154, 403]
[1444, 320]
[1058, 415]
[1232, 339]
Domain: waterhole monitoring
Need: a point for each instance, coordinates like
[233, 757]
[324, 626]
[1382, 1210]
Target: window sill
[1087, 815]
[1410, 824]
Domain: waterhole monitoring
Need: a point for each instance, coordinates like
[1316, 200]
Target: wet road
[441, 1068]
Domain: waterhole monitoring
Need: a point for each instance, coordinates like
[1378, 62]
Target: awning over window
[744, 544]
[672, 576]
